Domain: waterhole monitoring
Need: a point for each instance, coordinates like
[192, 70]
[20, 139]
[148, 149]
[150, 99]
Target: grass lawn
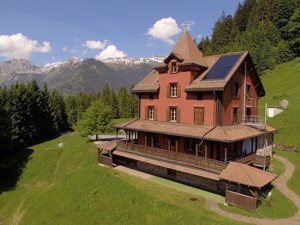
[51, 185]
[283, 83]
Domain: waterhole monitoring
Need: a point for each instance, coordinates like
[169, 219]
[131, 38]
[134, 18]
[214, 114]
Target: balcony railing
[254, 120]
[191, 160]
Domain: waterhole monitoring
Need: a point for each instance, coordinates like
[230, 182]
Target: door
[199, 115]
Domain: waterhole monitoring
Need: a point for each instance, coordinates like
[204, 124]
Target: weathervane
[186, 26]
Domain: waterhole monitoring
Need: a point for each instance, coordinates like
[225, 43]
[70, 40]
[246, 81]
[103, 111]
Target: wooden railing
[240, 200]
[200, 162]
[257, 160]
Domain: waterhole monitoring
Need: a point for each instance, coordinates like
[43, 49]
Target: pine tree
[293, 29]
[58, 112]
[123, 103]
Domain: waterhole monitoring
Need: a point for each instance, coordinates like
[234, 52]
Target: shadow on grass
[11, 169]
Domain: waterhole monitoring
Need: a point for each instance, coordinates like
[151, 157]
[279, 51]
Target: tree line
[269, 29]
[30, 115]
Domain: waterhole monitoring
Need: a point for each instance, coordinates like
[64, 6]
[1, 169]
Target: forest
[30, 115]
[268, 29]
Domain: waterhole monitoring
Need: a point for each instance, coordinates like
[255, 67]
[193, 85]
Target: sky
[47, 31]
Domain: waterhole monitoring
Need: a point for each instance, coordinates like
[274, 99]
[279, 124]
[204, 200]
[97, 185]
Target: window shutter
[146, 113]
[155, 113]
[178, 115]
[232, 115]
[168, 91]
[238, 116]
[178, 91]
[168, 114]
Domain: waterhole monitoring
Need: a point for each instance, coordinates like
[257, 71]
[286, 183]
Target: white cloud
[110, 51]
[164, 30]
[18, 46]
[65, 49]
[95, 44]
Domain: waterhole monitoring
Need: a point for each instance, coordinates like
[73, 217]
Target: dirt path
[281, 184]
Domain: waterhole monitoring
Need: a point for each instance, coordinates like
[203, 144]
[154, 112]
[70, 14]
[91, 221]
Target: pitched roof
[221, 133]
[246, 175]
[187, 50]
[108, 146]
[148, 84]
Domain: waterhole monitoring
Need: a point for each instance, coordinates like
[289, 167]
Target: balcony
[254, 120]
[175, 157]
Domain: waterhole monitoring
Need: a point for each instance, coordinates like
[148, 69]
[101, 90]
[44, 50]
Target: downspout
[245, 85]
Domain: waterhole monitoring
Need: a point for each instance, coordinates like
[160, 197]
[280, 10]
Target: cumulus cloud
[18, 46]
[110, 51]
[164, 29]
[95, 44]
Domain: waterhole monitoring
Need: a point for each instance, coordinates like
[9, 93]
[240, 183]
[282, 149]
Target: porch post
[205, 151]
[169, 144]
[126, 139]
[146, 141]
[197, 149]
[176, 145]
[225, 157]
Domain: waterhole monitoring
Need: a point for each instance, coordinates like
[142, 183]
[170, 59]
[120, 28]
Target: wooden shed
[245, 185]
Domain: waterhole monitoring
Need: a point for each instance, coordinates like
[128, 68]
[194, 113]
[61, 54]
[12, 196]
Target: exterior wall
[185, 102]
[230, 102]
[268, 142]
[201, 182]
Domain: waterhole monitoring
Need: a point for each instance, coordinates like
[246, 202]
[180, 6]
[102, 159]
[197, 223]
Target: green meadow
[48, 184]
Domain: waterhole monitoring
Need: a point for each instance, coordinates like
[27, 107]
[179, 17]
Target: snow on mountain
[134, 61]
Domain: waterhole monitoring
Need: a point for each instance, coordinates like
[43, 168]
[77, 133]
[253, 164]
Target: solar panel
[222, 67]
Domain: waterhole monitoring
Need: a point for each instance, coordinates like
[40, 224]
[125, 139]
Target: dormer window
[173, 67]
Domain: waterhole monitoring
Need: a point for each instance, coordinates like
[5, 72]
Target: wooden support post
[146, 141]
[225, 157]
[205, 151]
[176, 145]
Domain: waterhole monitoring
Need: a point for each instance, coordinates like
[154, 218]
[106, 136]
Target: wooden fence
[241, 201]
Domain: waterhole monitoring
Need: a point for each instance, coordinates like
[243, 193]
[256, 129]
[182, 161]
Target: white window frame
[151, 112]
[173, 90]
[173, 114]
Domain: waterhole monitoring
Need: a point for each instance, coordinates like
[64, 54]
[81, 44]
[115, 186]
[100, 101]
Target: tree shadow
[11, 169]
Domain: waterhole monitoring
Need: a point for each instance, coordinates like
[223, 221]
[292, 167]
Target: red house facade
[196, 115]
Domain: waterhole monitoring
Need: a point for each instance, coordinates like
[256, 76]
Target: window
[248, 91]
[174, 67]
[190, 144]
[235, 90]
[173, 90]
[173, 114]
[199, 96]
[199, 115]
[156, 139]
[151, 112]
[235, 115]
[153, 137]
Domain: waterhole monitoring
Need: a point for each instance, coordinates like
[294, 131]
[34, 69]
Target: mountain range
[75, 75]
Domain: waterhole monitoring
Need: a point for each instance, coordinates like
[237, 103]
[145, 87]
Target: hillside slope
[284, 83]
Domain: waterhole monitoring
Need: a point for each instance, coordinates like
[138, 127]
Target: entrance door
[199, 115]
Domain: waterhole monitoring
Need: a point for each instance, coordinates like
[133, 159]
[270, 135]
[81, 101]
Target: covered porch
[205, 147]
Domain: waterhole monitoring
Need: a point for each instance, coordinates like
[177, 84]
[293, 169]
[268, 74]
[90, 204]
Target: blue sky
[56, 30]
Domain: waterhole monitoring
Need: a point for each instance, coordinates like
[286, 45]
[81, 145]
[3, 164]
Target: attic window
[174, 67]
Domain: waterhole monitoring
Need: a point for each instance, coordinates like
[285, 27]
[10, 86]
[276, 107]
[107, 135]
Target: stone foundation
[200, 182]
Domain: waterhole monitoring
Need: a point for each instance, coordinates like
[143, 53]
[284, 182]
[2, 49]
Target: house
[197, 116]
